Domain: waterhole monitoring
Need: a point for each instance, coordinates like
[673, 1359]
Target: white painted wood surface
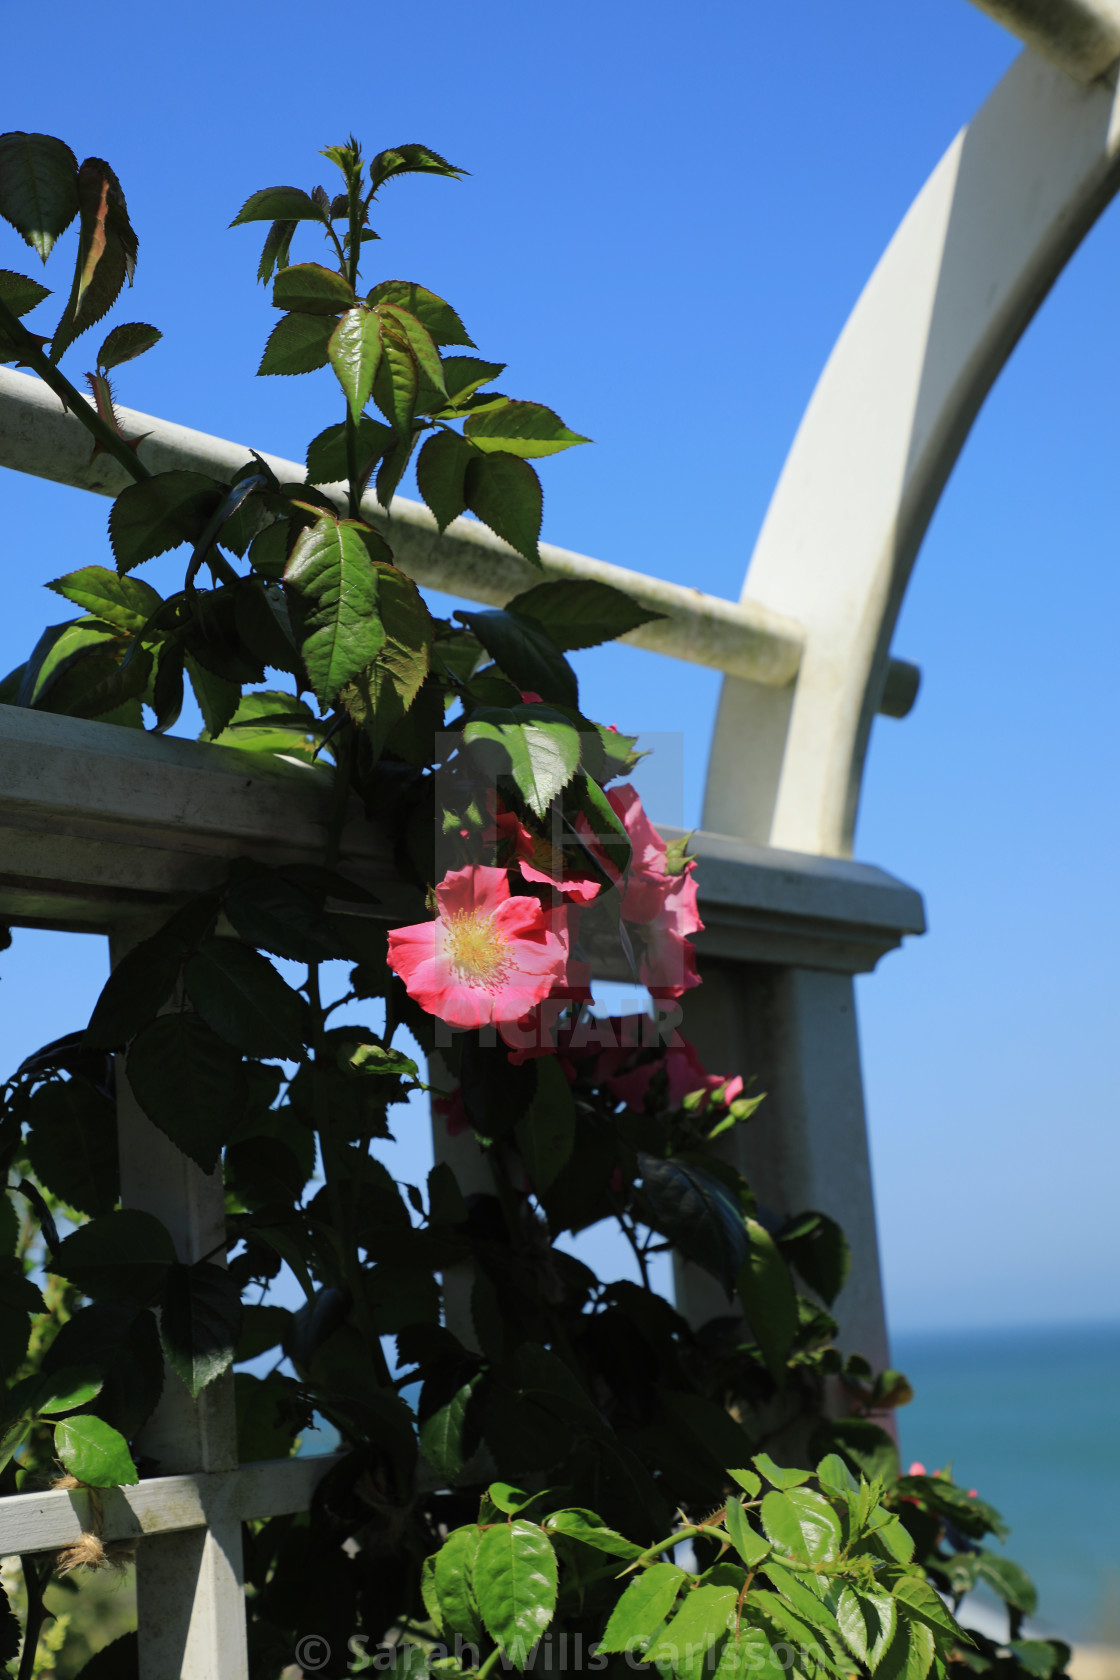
[38, 436]
[160, 1505]
[189, 1585]
[972, 260]
[1082, 37]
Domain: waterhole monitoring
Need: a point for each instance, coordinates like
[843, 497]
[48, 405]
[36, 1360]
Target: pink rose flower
[487, 957]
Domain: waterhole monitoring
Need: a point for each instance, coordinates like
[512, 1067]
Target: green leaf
[749, 1544]
[526, 429]
[240, 995]
[73, 1145]
[702, 1619]
[443, 1434]
[516, 1581]
[326, 454]
[38, 187]
[278, 917]
[542, 755]
[607, 827]
[581, 612]
[124, 1256]
[747, 1480]
[409, 160]
[585, 1527]
[697, 1213]
[125, 343]
[331, 569]
[65, 1390]
[643, 1608]
[441, 470]
[95, 1452]
[1012, 1584]
[145, 977]
[397, 384]
[505, 493]
[454, 1584]
[867, 1448]
[546, 1132]
[918, 1599]
[277, 249]
[420, 343]
[435, 316]
[311, 289]
[159, 513]
[190, 1083]
[801, 1522]
[288, 204]
[895, 1541]
[217, 698]
[298, 344]
[355, 352]
[19, 291]
[462, 375]
[852, 1621]
[835, 1477]
[910, 1653]
[126, 603]
[769, 1299]
[107, 249]
[818, 1248]
[199, 1323]
[386, 689]
[445, 1199]
[1042, 1657]
[526, 653]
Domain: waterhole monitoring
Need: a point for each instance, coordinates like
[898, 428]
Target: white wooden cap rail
[101, 829]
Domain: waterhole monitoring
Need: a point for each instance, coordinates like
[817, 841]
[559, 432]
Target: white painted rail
[747, 640]
[45, 1522]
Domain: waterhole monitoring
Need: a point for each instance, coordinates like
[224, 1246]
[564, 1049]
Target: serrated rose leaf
[124, 1256]
[437, 317]
[199, 1323]
[453, 1579]
[526, 429]
[643, 1608]
[769, 1300]
[355, 354]
[297, 344]
[95, 1453]
[38, 187]
[515, 1580]
[336, 581]
[190, 1083]
[312, 289]
[125, 343]
[505, 493]
[272, 204]
[126, 603]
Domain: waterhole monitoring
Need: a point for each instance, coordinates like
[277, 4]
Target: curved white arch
[970, 264]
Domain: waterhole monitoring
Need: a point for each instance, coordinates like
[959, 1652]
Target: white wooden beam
[37, 436]
[1082, 37]
[971, 262]
[45, 1522]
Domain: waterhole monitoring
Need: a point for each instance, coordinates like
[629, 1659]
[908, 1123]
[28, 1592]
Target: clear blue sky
[669, 216]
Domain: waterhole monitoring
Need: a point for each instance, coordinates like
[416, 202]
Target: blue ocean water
[1031, 1418]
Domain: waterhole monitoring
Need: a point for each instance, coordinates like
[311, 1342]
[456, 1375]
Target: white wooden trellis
[102, 829]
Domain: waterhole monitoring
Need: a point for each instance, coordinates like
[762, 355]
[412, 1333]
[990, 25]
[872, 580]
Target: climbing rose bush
[523, 1442]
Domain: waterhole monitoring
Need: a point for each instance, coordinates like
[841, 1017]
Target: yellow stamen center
[475, 948]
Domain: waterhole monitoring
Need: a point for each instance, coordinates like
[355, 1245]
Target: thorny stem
[33, 357]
